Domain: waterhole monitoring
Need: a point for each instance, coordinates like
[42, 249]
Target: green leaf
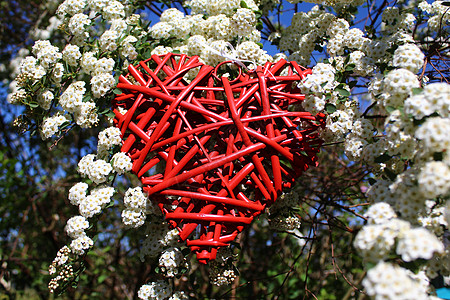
[102, 278]
[330, 108]
[110, 114]
[303, 153]
[343, 92]
[417, 91]
[117, 91]
[244, 4]
[33, 104]
[259, 26]
[349, 67]
[390, 109]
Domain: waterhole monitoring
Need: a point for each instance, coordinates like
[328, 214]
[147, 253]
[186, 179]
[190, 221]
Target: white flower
[72, 98]
[418, 243]
[170, 260]
[71, 7]
[321, 79]
[133, 218]
[113, 10]
[135, 199]
[127, 49]
[158, 290]
[81, 244]
[103, 194]
[77, 25]
[46, 54]
[90, 206]
[409, 57]
[387, 281]
[354, 38]
[50, 126]
[75, 226]
[108, 138]
[108, 40]
[29, 66]
[85, 115]
[161, 30]
[45, 99]
[434, 134]
[97, 5]
[399, 84]
[84, 163]
[434, 179]
[121, 163]
[338, 27]
[77, 193]
[171, 15]
[101, 84]
[218, 27]
[88, 62]
[243, 21]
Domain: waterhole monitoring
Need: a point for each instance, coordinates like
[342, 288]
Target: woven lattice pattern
[214, 152]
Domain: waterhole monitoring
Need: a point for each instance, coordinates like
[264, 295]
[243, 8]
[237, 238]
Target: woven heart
[214, 152]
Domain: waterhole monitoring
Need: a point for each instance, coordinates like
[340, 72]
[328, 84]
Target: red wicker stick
[214, 152]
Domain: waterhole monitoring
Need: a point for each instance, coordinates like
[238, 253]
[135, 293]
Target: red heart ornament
[225, 149]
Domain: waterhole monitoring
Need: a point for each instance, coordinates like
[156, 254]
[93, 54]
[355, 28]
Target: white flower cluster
[51, 125]
[408, 57]
[398, 85]
[107, 139]
[76, 226]
[91, 46]
[137, 206]
[96, 170]
[61, 258]
[282, 223]
[121, 163]
[71, 54]
[376, 240]
[438, 14]
[320, 81]
[159, 290]
[222, 272]
[46, 53]
[89, 205]
[226, 277]
[301, 35]
[158, 237]
[64, 275]
[171, 260]
[434, 179]
[179, 295]
[93, 203]
[207, 37]
[387, 281]
[320, 89]
[435, 97]
[81, 244]
[280, 215]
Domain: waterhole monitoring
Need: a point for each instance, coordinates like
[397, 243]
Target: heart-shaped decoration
[213, 153]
